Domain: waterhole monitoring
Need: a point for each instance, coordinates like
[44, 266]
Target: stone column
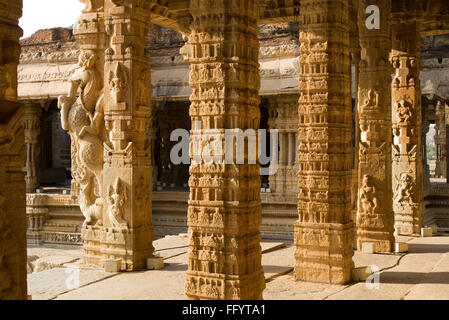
[224, 212]
[13, 257]
[82, 114]
[426, 171]
[31, 125]
[440, 140]
[375, 199]
[408, 199]
[324, 230]
[107, 113]
[127, 231]
[291, 148]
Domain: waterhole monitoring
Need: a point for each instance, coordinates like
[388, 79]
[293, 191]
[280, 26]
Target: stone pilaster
[324, 230]
[375, 216]
[127, 231]
[283, 112]
[13, 256]
[224, 212]
[408, 199]
[31, 125]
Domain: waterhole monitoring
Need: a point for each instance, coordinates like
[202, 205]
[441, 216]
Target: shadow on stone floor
[269, 269]
[175, 266]
[414, 277]
[427, 248]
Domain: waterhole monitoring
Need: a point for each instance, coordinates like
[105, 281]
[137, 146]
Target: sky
[43, 14]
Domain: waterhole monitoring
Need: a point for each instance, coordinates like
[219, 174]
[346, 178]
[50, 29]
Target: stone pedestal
[324, 231]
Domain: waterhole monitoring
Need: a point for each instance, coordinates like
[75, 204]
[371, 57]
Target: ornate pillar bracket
[224, 212]
[408, 189]
[324, 231]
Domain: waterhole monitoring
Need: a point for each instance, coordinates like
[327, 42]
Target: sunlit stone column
[107, 113]
[407, 168]
[31, 125]
[82, 114]
[127, 231]
[224, 212]
[13, 257]
[324, 230]
[375, 216]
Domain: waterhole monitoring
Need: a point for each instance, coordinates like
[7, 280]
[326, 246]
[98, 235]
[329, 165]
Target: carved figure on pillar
[375, 210]
[82, 116]
[407, 167]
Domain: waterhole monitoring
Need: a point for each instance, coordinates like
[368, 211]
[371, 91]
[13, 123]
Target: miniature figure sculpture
[367, 196]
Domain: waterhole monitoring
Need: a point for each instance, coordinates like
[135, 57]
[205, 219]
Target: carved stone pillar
[324, 230]
[31, 125]
[440, 141]
[375, 202]
[224, 212]
[13, 256]
[82, 114]
[127, 231]
[408, 199]
[107, 118]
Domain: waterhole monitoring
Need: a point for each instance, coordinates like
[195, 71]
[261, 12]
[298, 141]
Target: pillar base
[375, 228]
[102, 243]
[221, 287]
[324, 252]
[408, 219]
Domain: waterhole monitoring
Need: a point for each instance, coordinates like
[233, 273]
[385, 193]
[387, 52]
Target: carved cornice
[50, 56]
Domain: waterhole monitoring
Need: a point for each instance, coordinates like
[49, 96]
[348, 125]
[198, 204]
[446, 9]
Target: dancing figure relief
[368, 197]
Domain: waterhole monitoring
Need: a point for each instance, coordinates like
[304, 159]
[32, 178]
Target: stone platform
[422, 273]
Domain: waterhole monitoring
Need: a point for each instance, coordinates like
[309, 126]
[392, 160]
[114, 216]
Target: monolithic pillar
[31, 125]
[224, 212]
[408, 189]
[440, 140]
[324, 230]
[13, 257]
[127, 231]
[375, 198]
[107, 114]
[82, 117]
